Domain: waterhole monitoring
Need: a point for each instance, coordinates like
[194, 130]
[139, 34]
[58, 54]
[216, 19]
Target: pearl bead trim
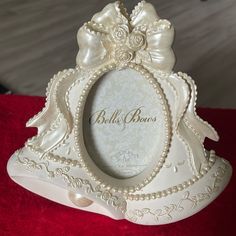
[140, 197]
[174, 189]
[56, 158]
[168, 127]
[63, 160]
[59, 78]
[191, 82]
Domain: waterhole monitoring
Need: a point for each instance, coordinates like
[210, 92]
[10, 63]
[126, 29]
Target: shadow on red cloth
[25, 213]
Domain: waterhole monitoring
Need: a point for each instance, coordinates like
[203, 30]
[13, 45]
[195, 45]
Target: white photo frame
[139, 181]
[151, 170]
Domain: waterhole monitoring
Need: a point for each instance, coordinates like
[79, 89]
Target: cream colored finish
[142, 159]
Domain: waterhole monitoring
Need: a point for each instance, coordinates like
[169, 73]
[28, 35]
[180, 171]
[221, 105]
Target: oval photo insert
[123, 124]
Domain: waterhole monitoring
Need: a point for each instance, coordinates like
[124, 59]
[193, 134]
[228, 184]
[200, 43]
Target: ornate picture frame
[119, 134]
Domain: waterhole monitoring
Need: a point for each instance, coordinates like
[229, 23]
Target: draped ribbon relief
[140, 38]
[113, 36]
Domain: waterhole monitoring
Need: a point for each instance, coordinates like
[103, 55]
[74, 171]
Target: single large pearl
[79, 200]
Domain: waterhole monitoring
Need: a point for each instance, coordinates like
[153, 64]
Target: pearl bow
[112, 35]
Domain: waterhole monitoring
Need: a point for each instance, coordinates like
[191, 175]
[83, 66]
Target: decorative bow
[113, 35]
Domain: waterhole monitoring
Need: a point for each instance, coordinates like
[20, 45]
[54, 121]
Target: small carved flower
[137, 40]
[120, 33]
[123, 55]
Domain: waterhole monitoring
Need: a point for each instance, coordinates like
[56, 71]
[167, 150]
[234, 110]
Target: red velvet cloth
[25, 213]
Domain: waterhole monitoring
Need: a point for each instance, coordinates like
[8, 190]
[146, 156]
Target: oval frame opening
[131, 184]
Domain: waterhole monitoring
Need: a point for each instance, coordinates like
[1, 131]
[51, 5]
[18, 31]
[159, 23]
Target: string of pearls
[140, 197]
[79, 146]
[55, 158]
[127, 191]
[177, 188]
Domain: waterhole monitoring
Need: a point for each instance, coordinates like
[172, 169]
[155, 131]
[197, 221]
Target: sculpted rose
[120, 33]
[136, 40]
[123, 55]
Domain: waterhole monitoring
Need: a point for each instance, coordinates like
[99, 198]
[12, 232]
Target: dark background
[38, 38]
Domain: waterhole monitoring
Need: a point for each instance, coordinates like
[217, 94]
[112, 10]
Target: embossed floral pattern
[74, 182]
[120, 33]
[126, 43]
[188, 199]
[123, 55]
[137, 40]
[148, 39]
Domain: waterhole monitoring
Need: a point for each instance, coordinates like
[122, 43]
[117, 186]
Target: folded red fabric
[25, 213]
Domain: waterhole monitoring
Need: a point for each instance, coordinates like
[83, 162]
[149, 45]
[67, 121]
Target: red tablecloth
[25, 213]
